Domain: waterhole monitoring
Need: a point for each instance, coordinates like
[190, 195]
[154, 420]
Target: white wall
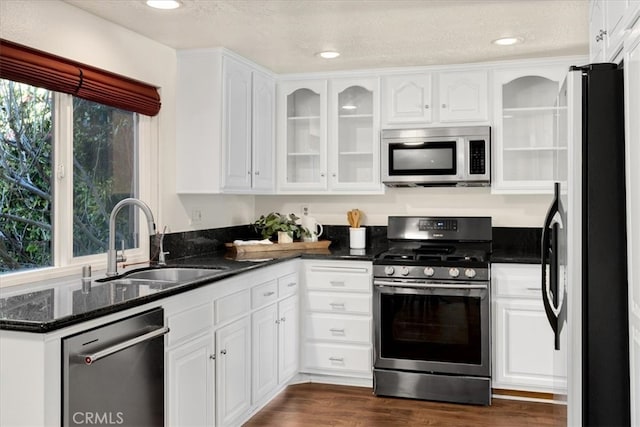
[61, 29]
[506, 211]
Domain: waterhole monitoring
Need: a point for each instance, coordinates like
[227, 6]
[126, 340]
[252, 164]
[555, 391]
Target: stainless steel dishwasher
[114, 374]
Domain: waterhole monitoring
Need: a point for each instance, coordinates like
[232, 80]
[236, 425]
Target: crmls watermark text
[98, 418]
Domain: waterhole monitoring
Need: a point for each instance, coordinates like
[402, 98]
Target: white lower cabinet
[337, 322]
[233, 371]
[191, 375]
[231, 347]
[523, 352]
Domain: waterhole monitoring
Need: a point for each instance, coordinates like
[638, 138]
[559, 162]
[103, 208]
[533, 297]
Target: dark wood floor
[318, 405]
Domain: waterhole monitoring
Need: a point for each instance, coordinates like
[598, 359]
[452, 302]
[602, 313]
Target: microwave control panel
[477, 156]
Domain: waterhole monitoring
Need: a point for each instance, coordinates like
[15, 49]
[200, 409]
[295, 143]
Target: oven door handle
[423, 285]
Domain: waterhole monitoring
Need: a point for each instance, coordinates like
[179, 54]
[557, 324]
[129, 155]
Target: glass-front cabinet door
[302, 137]
[354, 147]
[523, 135]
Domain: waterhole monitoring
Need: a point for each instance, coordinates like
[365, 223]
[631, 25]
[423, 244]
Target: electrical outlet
[196, 216]
[304, 210]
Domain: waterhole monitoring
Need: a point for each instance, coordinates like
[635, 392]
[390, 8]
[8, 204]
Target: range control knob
[470, 273]
[388, 270]
[429, 271]
[404, 271]
[454, 272]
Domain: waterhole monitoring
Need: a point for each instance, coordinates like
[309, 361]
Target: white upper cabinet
[608, 22]
[248, 129]
[523, 130]
[225, 120]
[461, 96]
[354, 144]
[329, 143]
[407, 98]
[302, 134]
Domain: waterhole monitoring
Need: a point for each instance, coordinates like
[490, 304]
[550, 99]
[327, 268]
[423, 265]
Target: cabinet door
[523, 348]
[302, 134]
[233, 371]
[614, 18]
[525, 119]
[354, 161]
[236, 125]
[463, 96]
[632, 136]
[263, 133]
[190, 383]
[264, 349]
[288, 348]
[407, 99]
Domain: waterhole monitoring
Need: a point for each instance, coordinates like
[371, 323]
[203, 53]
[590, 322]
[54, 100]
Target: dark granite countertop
[43, 310]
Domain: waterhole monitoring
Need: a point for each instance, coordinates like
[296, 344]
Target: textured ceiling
[284, 35]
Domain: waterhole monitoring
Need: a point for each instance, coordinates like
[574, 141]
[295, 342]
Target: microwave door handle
[548, 252]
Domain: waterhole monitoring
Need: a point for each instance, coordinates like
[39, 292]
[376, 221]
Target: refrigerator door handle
[550, 258]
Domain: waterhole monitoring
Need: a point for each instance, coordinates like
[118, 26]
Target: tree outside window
[105, 171]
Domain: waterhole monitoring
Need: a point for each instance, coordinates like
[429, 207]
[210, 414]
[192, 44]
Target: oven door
[432, 327]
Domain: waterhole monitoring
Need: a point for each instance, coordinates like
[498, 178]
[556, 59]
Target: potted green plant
[284, 226]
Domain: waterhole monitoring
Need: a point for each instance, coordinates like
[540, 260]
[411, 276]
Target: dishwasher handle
[90, 358]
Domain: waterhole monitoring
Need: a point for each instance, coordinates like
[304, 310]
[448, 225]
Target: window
[41, 203]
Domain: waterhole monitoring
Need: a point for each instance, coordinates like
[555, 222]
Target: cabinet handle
[277, 321]
[426, 107]
[223, 351]
[444, 105]
[283, 319]
[212, 356]
[257, 172]
[333, 175]
[337, 359]
[336, 283]
[337, 331]
[248, 172]
[322, 175]
[291, 284]
[533, 289]
[337, 305]
[268, 294]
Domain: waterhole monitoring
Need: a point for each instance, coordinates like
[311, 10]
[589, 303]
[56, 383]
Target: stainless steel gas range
[431, 310]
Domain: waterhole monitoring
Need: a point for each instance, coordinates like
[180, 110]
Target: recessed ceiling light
[163, 4]
[329, 54]
[507, 41]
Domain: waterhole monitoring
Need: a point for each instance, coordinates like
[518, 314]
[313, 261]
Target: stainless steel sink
[172, 274]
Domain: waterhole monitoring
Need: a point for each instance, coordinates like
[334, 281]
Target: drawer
[189, 323]
[338, 302]
[264, 294]
[342, 328]
[287, 285]
[338, 357]
[348, 278]
[231, 306]
[516, 280]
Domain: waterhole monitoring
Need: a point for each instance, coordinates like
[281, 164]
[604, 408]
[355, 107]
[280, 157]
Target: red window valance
[26, 65]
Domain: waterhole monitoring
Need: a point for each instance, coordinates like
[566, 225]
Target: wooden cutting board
[295, 246]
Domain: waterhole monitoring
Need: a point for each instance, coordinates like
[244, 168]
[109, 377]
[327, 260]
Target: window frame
[64, 263]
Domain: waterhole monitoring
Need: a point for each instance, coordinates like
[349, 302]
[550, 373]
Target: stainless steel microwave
[451, 156]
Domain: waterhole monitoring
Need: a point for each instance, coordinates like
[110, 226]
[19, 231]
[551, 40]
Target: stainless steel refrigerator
[584, 261]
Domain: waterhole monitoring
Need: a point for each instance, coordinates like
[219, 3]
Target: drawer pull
[268, 294]
[336, 331]
[337, 359]
[292, 284]
[533, 289]
[336, 283]
[337, 305]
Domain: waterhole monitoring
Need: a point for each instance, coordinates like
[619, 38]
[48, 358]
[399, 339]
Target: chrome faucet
[161, 254]
[112, 252]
